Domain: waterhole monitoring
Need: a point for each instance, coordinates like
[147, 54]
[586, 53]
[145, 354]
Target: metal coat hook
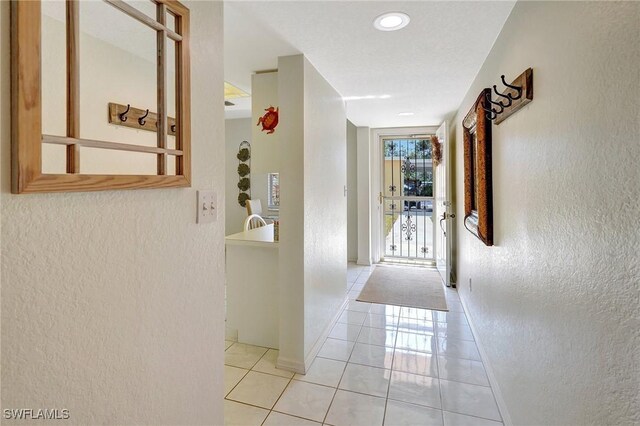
[499, 104]
[508, 98]
[123, 116]
[142, 120]
[516, 88]
[492, 113]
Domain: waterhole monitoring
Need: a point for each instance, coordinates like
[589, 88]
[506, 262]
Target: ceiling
[425, 68]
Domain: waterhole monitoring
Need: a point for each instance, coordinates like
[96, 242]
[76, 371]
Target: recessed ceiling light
[391, 21]
[406, 114]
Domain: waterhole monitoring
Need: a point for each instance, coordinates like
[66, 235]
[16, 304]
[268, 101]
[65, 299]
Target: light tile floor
[380, 365]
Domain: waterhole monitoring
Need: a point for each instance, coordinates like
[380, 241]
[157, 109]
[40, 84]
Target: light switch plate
[207, 206]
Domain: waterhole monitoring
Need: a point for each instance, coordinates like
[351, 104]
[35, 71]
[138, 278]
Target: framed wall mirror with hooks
[69, 59]
[478, 195]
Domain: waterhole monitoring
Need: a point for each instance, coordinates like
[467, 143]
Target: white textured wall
[292, 182]
[236, 131]
[352, 192]
[325, 204]
[313, 230]
[363, 160]
[555, 301]
[265, 148]
[112, 302]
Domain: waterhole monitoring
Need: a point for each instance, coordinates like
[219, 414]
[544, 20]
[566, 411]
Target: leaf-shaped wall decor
[242, 199]
[244, 154]
[243, 169]
[244, 184]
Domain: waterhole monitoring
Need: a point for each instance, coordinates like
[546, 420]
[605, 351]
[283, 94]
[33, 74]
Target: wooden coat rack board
[525, 82]
[135, 115]
[515, 95]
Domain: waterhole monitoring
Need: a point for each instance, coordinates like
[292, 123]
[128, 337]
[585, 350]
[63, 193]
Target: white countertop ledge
[258, 237]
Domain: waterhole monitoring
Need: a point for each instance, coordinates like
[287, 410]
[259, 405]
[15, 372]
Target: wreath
[436, 153]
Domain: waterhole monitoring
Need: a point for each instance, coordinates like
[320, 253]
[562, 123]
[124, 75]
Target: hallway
[133, 134]
[381, 364]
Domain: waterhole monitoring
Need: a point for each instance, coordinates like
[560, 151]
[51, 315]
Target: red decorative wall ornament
[269, 120]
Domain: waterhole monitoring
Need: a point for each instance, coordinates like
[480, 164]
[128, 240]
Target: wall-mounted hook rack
[490, 102]
[500, 95]
[491, 113]
[518, 89]
[141, 120]
[123, 116]
[137, 118]
[518, 93]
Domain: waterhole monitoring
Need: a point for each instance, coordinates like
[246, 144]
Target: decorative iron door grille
[407, 198]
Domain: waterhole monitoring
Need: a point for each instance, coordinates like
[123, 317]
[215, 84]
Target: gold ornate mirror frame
[478, 197]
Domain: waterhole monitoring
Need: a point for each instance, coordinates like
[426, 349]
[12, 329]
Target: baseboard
[497, 393]
[366, 262]
[323, 336]
[290, 365]
[231, 334]
[302, 367]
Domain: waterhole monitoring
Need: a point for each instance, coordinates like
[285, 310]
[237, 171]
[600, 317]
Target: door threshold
[414, 262]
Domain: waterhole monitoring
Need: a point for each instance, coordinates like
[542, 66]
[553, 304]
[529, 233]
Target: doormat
[405, 286]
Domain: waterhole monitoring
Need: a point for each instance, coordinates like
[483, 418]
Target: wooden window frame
[478, 215]
[26, 105]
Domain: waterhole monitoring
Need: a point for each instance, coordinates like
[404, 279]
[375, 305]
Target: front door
[407, 198]
[443, 210]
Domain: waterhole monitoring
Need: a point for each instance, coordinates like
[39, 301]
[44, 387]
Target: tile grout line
[393, 360]
[294, 415]
[363, 393]
[278, 399]
[475, 417]
[245, 374]
[234, 386]
[247, 404]
[348, 361]
[439, 381]
[341, 376]
[418, 405]
[464, 312]
[281, 393]
[495, 400]
[290, 380]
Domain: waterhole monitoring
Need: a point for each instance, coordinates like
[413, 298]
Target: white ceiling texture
[425, 68]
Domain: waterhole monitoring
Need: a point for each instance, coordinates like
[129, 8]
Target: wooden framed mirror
[71, 61]
[478, 197]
